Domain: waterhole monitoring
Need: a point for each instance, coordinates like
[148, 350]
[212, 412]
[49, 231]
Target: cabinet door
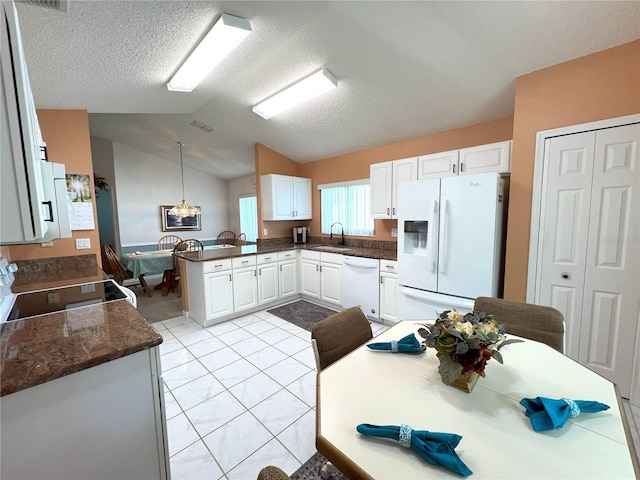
[388, 286]
[495, 157]
[282, 198]
[310, 278]
[288, 279]
[245, 288]
[438, 165]
[331, 286]
[403, 171]
[381, 175]
[267, 283]
[218, 288]
[301, 198]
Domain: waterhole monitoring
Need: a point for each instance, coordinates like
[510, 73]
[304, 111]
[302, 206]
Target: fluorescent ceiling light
[224, 36]
[307, 88]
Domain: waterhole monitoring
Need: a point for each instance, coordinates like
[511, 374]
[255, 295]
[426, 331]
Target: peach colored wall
[595, 87]
[66, 133]
[270, 161]
[354, 166]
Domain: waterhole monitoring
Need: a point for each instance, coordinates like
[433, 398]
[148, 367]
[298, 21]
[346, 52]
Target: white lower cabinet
[331, 278]
[268, 283]
[321, 276]
[388, 290]
[105, 422]
[218, 295]
[245, 283]
[287, 274]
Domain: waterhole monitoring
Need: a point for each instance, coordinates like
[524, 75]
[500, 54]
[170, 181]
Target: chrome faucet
[341, 242]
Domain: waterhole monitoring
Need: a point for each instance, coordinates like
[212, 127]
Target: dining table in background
[151, 263]
[384, 388]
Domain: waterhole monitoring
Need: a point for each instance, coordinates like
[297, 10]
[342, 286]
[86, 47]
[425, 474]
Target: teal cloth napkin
[434, 447]
[549, 413]
[408, 344]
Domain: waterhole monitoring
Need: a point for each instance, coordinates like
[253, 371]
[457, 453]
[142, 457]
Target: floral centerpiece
[465, 343]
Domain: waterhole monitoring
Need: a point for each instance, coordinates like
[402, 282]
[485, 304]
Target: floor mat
[310, 470]
[302, 313]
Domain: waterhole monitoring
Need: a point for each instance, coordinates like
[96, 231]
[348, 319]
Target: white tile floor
[238, 395]
[241, 395]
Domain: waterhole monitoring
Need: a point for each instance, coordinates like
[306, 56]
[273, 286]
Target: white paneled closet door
[590, 246]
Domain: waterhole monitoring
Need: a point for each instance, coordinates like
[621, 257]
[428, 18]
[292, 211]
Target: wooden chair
[171, 277]
[241, 240]
[339, 334]
[536, 322]
[168, 242]
[226, 237]
[118, 271]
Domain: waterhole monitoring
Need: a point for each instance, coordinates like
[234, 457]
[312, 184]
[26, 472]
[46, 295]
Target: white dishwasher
[361, 285]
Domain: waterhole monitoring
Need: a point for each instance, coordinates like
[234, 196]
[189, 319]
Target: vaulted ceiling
[405, 69]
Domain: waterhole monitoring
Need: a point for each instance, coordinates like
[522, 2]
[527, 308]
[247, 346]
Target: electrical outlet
[265, 232]
[83, 243]
[47, 244]
[394, 232]
[53, 297]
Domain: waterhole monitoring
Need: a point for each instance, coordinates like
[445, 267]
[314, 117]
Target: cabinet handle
[50, 205]
[394, 210]
[454, 168]
[461, 167]
[280, 267]
[217, 266]
[388, 212]
[229, 277]
[267, 258]
[389, 267]
[245, 261]
[317, 269]
[381, 280]
[255, 274]
[43, 149]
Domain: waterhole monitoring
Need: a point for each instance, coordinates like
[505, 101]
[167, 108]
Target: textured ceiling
[405, 69]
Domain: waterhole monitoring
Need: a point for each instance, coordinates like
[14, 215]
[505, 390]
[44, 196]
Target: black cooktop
[42, 302]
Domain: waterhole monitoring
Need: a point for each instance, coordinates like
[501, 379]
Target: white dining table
[383, 388]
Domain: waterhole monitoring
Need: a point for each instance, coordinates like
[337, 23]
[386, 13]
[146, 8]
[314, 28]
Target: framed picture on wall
[171, 223]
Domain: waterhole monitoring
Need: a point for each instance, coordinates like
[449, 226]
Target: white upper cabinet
[385, 178]
[285, 197]
[494, 157]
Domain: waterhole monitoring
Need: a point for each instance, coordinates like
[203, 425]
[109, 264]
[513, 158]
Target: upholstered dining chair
[241, 240]
[272, 473]
[226, 237]
[168, 242]
[118, 271]
[338, 335]
[171, 277]
[536, 322]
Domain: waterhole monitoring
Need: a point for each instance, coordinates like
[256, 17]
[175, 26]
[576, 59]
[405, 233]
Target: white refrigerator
[449, 243]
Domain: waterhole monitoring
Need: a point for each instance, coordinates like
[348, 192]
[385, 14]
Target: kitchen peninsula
[230, 282]
[81, 394]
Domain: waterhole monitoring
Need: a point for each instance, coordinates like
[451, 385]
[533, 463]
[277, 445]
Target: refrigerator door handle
[434, 237]
[443, 250]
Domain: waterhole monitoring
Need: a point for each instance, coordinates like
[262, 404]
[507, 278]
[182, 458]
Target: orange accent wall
[355, 166]
[66, 133]
[269, 161]
[595, 87]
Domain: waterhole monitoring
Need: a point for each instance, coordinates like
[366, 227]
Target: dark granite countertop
[231, 252]
[38, 349]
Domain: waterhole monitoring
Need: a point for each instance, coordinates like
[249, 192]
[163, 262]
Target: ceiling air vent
[202, 126]
[59, 5]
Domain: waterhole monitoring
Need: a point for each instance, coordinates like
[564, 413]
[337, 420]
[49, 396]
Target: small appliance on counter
[300, 235]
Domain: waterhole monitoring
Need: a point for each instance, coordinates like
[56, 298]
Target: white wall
[144, 182]
[239, 187]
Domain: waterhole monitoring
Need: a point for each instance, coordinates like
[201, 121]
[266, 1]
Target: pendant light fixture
[183, 209]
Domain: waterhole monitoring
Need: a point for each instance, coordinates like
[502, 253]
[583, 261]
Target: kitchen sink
[332, 248]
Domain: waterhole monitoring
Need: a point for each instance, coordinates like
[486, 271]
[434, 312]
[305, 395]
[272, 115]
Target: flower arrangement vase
[466, 382]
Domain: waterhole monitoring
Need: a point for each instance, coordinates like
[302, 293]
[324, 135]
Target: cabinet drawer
[244, 261]
[310, 255]
[216, 265]
[389, 266]
[287, 255]
[326, 257]
[266, 258]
